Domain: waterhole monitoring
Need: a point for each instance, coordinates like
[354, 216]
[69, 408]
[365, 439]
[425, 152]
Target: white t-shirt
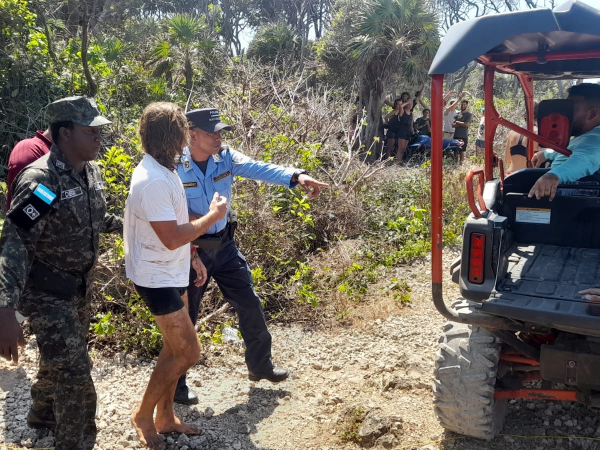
[448, 121]
[155, 194]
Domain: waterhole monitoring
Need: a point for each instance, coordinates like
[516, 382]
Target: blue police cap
[207, 119]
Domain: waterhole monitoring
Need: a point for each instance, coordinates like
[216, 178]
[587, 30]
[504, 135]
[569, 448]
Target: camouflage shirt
[65, 237]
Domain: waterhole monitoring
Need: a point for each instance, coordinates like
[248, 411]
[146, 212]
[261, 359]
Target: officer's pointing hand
[311, 186]
[11, 335]
[219, 205]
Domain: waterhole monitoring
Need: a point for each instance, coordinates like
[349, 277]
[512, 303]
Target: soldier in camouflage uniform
[48, 247]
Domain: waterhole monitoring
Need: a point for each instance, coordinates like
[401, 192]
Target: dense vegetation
[290, 98]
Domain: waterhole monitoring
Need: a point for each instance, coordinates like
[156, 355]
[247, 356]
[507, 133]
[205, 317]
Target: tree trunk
[371, 99]
[561, 89]
[169, 78]
[461, 78]
[42, 18]
[92, 87]
[189, 73]
[73, 7]
[515, 87]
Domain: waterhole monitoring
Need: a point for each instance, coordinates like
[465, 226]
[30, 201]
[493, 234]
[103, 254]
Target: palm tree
[185, 30]
[186, 34]
[163, 62]
[274, 41]
[392, 38]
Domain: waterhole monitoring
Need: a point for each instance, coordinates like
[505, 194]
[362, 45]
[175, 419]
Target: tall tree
[236, 14]
[187, 35]
[387, 39]
[274, 42]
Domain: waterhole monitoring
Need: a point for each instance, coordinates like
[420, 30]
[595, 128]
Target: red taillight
[476, 258]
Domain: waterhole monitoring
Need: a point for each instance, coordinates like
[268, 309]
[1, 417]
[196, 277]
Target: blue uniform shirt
[220, 170]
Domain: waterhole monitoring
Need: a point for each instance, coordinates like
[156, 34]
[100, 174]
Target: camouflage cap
[81, 110]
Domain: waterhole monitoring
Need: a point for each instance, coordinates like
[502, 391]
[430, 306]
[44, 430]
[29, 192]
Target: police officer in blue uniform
[208, 167]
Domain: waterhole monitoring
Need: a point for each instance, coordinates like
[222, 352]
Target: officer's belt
[213, 241]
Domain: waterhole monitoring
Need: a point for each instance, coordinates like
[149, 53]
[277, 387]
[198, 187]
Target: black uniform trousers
[231, 272]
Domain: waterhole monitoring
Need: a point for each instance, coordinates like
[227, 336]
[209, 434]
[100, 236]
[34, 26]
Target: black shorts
[162, 301]
[464, 146]
[398, 134]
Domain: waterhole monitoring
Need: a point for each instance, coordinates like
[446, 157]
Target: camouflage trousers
[63, 390]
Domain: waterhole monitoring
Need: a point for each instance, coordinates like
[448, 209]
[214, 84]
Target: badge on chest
[190, 184]
[71, 193]
[222, 176]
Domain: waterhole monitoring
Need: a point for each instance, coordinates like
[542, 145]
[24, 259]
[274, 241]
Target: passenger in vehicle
[585, 144]
[515, 155]
[592, 294]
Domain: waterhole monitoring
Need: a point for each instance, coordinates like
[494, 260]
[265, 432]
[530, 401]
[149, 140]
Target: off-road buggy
[521, 329]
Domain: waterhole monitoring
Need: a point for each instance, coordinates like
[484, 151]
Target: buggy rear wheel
[465, 378]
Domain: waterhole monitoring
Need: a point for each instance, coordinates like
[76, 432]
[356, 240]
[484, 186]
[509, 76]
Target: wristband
[193, 249]
[296, 175]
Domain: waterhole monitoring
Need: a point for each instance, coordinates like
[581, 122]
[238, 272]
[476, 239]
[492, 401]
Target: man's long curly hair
[164, 131]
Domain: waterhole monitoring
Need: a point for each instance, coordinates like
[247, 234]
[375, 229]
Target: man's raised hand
[219, 205]
[538, 159]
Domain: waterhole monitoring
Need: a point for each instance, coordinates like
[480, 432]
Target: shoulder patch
[31, 209]
[222, 176]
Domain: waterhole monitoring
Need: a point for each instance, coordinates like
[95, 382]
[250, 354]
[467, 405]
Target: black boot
[275, 375]
[40, 419]
[183, 394]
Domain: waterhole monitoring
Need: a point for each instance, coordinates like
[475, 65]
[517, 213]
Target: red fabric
[24, 153]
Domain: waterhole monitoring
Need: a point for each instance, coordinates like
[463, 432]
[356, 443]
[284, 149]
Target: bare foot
[146, 432]
[177, 426]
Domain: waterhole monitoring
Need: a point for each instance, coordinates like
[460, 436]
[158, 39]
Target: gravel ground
[378, 368]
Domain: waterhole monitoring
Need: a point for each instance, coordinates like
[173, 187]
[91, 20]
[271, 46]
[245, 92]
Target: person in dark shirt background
[461, 127]
[423, 123]
[23, 154]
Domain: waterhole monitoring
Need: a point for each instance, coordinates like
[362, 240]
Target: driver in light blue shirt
[208, 167]
[585, 144]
